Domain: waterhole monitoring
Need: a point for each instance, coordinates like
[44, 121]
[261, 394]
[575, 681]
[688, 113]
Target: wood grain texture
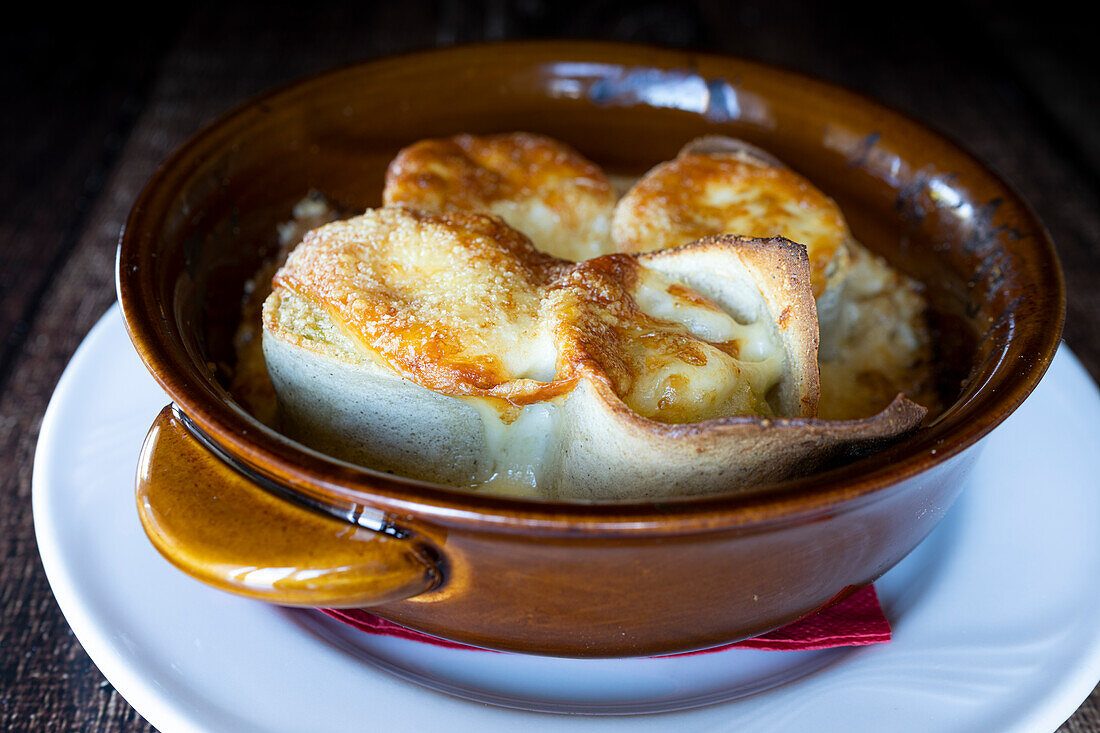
[99, 105]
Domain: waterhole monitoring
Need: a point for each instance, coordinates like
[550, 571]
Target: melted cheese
[522, 447]
[678, 357]
[540, 186]
[463, 305]
[697, 195]
[874, 341]
[450, 302]
[467, 307]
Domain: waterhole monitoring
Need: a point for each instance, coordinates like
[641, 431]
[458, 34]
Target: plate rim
[164, 710]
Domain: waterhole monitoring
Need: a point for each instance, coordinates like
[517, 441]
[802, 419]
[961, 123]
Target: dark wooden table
[93, 103]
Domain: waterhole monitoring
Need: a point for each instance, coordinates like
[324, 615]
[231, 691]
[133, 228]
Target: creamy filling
[522, 447]
[744, 359]
[589, 236]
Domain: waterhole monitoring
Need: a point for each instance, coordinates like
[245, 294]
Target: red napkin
[856, 621]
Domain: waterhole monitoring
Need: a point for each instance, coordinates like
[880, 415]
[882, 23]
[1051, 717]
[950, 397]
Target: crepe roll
[538, 185]
[720, 185]
[446, 347]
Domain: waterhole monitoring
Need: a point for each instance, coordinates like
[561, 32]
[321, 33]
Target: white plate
[996, 616]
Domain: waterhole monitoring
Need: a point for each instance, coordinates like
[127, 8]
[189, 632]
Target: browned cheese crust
[687, 371]
[718, 186]
[874, 338]
[540, 186]
[465, 306]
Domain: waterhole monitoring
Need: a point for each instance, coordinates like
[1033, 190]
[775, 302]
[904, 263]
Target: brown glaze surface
[213, 523]
[655, 592]
[599, 580]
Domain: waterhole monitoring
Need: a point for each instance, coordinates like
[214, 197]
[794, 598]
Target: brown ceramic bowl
[248, 510]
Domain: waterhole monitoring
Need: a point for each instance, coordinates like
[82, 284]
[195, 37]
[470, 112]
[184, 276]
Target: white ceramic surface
[996, 616]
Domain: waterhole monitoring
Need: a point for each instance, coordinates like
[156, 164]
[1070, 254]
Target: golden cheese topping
[669, 353]
[697, 195]
[464, 305]
[538, 185]
[449, 301]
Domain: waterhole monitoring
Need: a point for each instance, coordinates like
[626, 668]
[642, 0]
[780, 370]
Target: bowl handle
[216, 524]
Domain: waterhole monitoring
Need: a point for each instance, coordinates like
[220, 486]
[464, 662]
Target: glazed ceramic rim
[337, 485]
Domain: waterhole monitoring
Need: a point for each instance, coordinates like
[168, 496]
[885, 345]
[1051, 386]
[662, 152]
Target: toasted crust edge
[781, 271]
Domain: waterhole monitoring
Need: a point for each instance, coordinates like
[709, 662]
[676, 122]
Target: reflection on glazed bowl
[248, 510]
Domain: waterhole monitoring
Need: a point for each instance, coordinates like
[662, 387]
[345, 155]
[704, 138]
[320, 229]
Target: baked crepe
[446, 347]
[540, 186]
[875, 340]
